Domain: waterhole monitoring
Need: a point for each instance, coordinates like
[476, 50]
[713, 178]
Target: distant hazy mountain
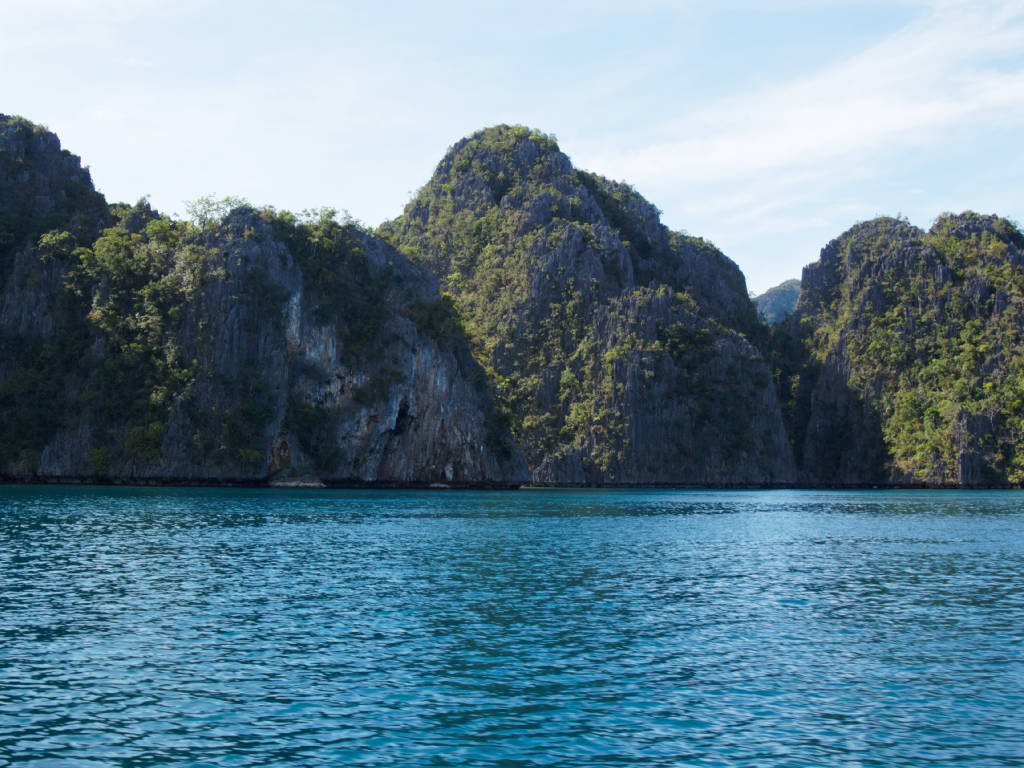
[776, 303]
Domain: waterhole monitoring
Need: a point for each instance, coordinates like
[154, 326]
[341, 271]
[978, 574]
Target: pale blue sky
[768, 128]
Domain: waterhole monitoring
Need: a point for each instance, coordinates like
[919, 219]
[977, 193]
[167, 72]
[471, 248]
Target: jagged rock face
[48, 208]
[620, 348]
[43, 189]
[255, 350]
[909, 346]
[274, 392]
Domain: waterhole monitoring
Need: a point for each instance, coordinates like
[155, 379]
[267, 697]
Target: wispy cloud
[794, 158]
[960, 62]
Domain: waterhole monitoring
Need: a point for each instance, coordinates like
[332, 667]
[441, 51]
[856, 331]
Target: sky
[768, 128]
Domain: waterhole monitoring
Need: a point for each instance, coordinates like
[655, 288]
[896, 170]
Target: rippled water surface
[540, 628]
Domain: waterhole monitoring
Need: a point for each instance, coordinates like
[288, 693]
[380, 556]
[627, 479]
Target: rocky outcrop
[256, 350]
[624, 351]
[42, 188]
[904, 362]
[48, 207]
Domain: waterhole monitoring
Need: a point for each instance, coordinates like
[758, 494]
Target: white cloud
[948, 68]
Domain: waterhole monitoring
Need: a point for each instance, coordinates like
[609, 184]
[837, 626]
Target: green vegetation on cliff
[258, 345]
[615, 345]
[137, 279]
[115, 353]
[244, 345]
[905, 361]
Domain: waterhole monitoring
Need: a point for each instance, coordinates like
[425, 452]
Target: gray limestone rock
[628, 353]
[268, 376]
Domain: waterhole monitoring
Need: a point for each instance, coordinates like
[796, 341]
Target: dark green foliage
[267, 296]
[144, 441]
[37, 395]
[313, 425]
[242, 426]
[136, 279]
[795, 374]
[498, 426]
[439, 319]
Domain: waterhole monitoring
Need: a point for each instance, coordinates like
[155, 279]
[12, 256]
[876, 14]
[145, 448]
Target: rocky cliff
[625, 353]
[576, 340]
[904, 362]
[257, 348]
[48, 207]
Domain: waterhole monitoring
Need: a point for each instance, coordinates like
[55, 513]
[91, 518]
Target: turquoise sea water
[538, 628]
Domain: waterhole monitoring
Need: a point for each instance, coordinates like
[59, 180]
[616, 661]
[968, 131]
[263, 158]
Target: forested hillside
[778, 302]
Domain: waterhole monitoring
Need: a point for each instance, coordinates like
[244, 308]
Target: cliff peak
[42, 188]
[603, 329]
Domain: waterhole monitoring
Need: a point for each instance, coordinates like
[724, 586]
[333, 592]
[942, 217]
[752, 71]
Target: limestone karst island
[522, 321]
